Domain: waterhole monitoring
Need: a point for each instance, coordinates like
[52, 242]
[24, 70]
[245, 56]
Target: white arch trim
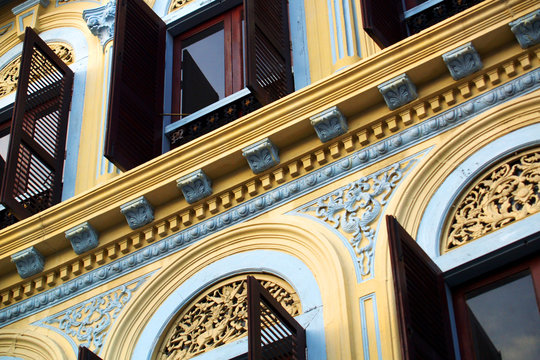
[431, 225]
[288, 267]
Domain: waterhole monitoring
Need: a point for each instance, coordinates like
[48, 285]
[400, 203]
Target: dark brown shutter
[268, 55]
[86, 354]
[272, 332]
[136, 95]
[422, 308]
[383, 21]
[32, 180]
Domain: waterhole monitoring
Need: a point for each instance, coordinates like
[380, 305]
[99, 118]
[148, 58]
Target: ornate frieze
[138, 212]
[195, 186]
[29, 262]
[506, 193]
[219, 316]
[354, 209]
[100, 21]
[329, 124]
[398, 91]
[9, 75]
[527, 29]
[177, 4]
[88, 323]
[261, 156]
[83, 238]
[462, 61]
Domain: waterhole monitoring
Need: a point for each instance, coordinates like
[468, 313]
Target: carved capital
[29, 262]
[83, 238]
[527, 29]
[462, 61]
[329, 124]
[195, 186]
[100, 21]
[138, 212]
[398, 91]
[261, 156]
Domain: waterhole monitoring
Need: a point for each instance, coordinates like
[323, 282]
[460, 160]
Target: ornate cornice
[133, 256]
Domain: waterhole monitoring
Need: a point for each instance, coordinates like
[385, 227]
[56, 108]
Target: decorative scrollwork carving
[9, 75]
[219, 316]
[177, 4]
[505, 194]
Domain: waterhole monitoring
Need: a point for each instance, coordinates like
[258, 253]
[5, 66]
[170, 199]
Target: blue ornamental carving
[29, 262]
[195, 186]
[100, 21]
[329, 124]
[527, 29]
[83, 238]
[261, 156]
[398, 91]
[138, 212]
[463, 61]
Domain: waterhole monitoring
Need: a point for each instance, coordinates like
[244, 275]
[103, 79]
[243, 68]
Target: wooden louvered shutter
[86, 354]
[383, 21]
[136, 95]
[422, 308]
[32, 180]
[272, 332]
[268, 55]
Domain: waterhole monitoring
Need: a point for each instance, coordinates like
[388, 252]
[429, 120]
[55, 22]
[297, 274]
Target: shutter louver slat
[272, 332]
[382, 20]
[268, 56]
[136, 97]
[32, 180]
[422, 308]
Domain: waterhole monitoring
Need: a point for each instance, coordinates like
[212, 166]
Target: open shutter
[136, 94]
[32, 180]
[422, 308]
[268, 55]
[86, 354]
[272, 332]
[383, 21]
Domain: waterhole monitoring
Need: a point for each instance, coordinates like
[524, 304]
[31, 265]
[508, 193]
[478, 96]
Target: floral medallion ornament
[398, 91]
[462, 61]
[354, 210]
[219, 316]
[505, 194]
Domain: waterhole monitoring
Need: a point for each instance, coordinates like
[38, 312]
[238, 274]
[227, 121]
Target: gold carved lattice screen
[9, 75]
[177, 4]
[219, 316]
[504, 194]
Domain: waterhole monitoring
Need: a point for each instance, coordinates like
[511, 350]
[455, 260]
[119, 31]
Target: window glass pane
[505, 321]
[4, 143]
[203, 69]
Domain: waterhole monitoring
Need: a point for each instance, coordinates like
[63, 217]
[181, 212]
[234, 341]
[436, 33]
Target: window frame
[459, 294]
[232, 20]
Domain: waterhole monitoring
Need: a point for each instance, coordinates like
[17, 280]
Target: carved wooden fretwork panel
[504, 194]
[219, 316]
[177, 4]
[9, 75]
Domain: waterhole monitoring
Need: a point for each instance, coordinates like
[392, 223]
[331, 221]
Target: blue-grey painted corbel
[29, 262]
[261, 156]
[329, 124]
[195, 186]
[138, 212]
[100, 21]
[27, 5]
[462, 61]
[398, 91]
[527, 29]
[83, 238]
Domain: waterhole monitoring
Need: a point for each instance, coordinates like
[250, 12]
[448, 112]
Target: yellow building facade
[440, 130]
